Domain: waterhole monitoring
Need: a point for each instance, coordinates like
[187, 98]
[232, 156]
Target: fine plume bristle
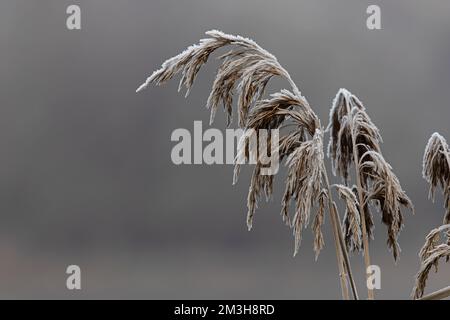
[349, 123]
[388, 195]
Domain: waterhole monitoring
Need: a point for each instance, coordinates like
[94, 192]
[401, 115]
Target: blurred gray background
[85, 171]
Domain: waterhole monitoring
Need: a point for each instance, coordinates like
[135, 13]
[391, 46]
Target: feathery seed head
[304, 183]
[352, 219]
[388, 194]
[349, 123]
[432, 260]
[436, 169]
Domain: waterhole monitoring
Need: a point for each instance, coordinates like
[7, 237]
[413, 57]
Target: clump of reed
[436, 171]
[245, 71]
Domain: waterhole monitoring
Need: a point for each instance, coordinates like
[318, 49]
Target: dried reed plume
[247, 68]
[436, 169]
[431, 241]
[354, 139]
[388, 194]
[271, 113]
[304, 183]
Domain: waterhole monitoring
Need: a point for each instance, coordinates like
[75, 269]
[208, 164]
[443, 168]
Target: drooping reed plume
[352, 219]
[388, 195]
[436, 171]
[355, 140]
[246, 69]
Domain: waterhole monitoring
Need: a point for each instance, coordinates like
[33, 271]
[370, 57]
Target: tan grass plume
[355, 140]
[352, 222]
[388, 194]
[432, 260]
[247, 68]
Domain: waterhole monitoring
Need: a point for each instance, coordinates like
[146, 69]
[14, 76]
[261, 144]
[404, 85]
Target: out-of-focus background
[86, 176]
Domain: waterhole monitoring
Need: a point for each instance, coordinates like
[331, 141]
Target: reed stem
[437, 295]
[342, 254]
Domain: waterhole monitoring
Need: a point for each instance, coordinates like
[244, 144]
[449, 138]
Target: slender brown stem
[370, 293]
[437, 295]
[340, 244]
[343, 276]
[342, 270]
